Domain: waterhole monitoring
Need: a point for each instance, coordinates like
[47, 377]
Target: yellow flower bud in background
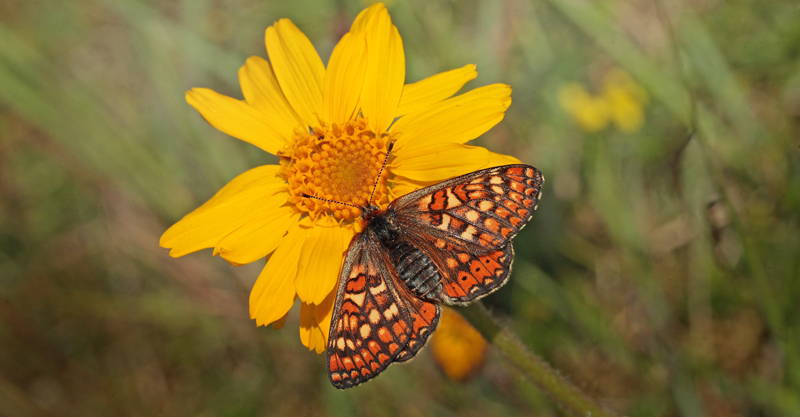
[457, 347]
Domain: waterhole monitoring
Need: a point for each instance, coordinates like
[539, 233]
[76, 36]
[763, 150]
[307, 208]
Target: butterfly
[450, 243]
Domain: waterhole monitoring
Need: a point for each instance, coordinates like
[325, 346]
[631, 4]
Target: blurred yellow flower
[457, 347]
[626, 100]
[331, 128]
[589, 111]
[621, 101]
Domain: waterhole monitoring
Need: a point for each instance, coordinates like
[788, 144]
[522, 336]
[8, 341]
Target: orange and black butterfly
[450, 242]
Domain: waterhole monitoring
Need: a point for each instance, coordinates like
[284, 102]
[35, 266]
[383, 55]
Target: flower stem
[531, 365]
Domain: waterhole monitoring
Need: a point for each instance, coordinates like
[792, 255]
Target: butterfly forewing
[465, 226]
[481, 210]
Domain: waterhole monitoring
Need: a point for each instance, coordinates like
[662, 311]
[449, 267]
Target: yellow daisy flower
[626, 100]
[621, 101]
[331, 128]
[589, 111]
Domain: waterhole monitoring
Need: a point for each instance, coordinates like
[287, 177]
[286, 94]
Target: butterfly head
[370, 211]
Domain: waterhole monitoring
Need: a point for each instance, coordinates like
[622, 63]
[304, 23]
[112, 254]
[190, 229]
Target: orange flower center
[336, 163]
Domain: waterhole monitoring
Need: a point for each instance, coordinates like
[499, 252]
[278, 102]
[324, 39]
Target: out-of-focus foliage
[661, 272]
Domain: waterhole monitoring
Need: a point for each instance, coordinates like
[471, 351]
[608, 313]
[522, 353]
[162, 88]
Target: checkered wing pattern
[424, 318]
[375, 321]
[449, 242]
[465, 225]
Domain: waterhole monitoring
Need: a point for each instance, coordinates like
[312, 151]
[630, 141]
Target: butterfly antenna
[330, 201]
[391, 145]
[377, 180]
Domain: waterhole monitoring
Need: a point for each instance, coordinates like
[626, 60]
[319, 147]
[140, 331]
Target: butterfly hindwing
[424, 318]
[469, 277]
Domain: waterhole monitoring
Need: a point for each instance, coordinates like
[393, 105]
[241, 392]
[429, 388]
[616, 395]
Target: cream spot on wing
[472, 216]
[357, 298]
[365, 330]
[379, 289]
[497, 190]
[452, 200]
[374, 316]
[485, 205]
[351, 345]
[451, 263]
[340, 343]
[469, 234]
[445, 222]
[391, 312]
[496, 180]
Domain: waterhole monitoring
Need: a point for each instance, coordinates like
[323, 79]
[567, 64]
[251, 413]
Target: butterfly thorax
[413, 265]
[382, 225]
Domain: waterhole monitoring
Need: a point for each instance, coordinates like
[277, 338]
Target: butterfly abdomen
[417, 270]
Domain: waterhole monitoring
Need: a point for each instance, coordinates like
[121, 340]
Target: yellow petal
[261, 90]
[402, 186]
[345, 78]
[498, 159]
[237, 118]
[310, 332]
[436, 162]
[321, 260]
[298, 69]
[458, 119]
[386, 68]
[307, 323]
[323, 313]
[226, 211]
[434, 89]
[258, 237]
[366, 15]
[278, 324]
[273, 294]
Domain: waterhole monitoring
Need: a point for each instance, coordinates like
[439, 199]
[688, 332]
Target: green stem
[531, 365]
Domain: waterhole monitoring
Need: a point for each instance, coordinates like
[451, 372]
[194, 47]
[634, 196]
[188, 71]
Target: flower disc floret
[336, 163]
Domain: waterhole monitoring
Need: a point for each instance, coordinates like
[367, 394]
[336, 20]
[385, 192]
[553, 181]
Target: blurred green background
[660, 274]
